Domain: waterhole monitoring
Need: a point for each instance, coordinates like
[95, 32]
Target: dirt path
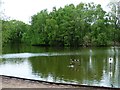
[8, 82]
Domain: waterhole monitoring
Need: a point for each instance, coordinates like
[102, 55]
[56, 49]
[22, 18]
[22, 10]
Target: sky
[24, 9]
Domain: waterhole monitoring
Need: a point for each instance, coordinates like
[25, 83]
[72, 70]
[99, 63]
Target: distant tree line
[12, 31]
[71, 26]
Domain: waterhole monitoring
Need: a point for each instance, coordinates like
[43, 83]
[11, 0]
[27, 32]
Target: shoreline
[17, 82]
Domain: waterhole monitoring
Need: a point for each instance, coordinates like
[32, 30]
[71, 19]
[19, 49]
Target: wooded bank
[71, 26]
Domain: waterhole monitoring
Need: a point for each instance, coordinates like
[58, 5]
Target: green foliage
[81, 25]
[84, 24]
[12, 31]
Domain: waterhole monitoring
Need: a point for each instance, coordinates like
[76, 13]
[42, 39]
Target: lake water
[86, 66]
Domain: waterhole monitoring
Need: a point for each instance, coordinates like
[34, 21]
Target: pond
[85, 66]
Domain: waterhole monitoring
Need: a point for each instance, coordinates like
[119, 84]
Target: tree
[73, 26]
[38, 28]
[12, 31]
[115, 15]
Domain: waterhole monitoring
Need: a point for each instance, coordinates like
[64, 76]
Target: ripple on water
[28, 55]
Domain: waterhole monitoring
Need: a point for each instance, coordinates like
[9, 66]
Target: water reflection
[84, 66]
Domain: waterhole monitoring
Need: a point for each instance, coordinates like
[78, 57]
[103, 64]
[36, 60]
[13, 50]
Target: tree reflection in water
[83, 65]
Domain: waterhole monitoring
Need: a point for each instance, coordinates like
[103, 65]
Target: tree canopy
[81, 25]
[12, 31]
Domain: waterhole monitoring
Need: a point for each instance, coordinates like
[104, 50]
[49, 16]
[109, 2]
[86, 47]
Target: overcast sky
[24, 9]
